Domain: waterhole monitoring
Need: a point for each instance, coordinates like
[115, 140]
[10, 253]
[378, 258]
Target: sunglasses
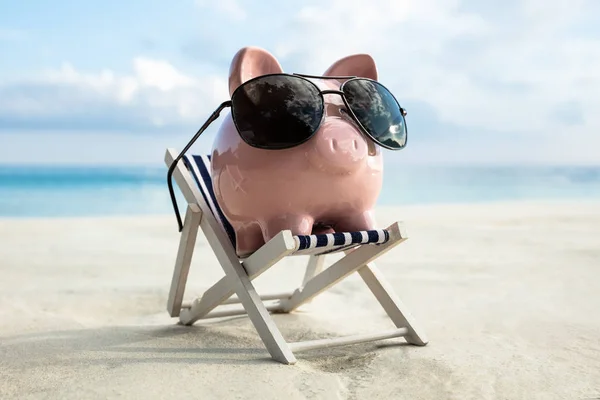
[281, 111]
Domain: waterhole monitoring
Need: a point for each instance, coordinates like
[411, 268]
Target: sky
[484, 82]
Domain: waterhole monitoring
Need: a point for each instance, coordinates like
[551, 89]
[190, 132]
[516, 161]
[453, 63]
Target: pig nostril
[333, 144]
[355, 144]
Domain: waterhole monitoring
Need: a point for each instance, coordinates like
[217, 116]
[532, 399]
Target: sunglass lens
[277, 111]
[377, 111]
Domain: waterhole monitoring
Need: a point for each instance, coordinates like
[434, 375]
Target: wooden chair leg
[353, 261]
[392, 305]
[259, 262]
[185, 252]
[258, 314]
[314, 267]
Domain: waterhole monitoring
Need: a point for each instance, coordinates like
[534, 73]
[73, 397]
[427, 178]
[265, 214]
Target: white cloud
[155, 93]
[160, 74]
[475, 69]
[517, 68]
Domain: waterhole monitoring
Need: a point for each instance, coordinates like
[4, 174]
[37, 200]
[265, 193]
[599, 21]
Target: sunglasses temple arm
[209, 121]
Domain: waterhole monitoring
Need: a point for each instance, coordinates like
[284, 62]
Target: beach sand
[508, 294]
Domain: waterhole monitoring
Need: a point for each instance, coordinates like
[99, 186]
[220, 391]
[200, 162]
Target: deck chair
[192, 175]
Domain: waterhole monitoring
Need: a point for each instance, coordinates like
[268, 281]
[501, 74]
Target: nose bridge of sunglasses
[329, 85]
[333, 101]
[330, 90]
[335, 107]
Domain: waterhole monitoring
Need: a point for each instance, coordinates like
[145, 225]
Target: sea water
[48, 191]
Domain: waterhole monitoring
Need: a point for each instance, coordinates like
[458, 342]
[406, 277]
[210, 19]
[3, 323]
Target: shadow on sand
[212, 343]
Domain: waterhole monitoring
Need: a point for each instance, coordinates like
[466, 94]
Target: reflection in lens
[377, 110]
[277, 111]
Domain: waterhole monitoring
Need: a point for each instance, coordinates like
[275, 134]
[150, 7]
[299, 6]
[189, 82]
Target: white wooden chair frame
[240, 273]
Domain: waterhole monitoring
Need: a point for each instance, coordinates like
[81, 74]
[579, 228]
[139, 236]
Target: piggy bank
[328, 182]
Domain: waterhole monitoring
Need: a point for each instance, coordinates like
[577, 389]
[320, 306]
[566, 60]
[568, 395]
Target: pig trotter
[357, 222]
[298, 224]
[248, 237]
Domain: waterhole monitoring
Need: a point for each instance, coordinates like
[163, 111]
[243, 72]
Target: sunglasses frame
[321, 94]
[229, 103]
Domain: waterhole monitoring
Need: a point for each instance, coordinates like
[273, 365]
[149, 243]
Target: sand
[509, 296]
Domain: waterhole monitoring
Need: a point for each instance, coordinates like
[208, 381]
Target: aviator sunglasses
[281, 111]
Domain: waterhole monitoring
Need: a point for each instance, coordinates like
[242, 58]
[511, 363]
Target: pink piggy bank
[292, 155]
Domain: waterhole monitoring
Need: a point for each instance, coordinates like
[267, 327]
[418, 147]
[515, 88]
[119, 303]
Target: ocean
[50, 191]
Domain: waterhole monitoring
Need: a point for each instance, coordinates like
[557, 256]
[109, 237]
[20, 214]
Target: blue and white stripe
[199, 166]
[338, 239]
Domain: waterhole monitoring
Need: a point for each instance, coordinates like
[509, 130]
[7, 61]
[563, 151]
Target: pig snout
[339, 147]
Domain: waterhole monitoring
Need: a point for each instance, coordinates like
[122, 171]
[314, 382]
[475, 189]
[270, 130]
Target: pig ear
[249, 63]
[361, 65]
